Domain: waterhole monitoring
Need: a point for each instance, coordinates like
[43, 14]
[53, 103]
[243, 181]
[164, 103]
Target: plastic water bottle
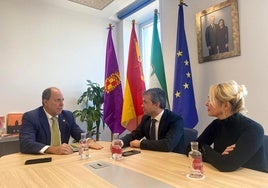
[196, 162]
[116, 147]
[83, 147]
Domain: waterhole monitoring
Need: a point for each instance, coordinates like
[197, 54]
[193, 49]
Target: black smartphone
[39, 160]
[130, 152]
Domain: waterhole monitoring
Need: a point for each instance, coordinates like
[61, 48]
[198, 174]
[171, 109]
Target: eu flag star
[179, 54]
[186, 86]
[188, 74]
[186, 62]
[178, 94]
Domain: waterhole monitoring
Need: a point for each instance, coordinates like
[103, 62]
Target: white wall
[250, 68]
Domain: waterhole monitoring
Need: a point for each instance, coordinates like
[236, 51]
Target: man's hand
[135, 144]
[228, 149]
[63, 149]
[92, 144]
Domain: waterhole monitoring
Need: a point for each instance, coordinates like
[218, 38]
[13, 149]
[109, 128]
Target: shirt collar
[48, 115]
[158, 117]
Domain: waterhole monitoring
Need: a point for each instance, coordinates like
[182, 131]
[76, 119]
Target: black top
[170, 134]
[222, 39]
[240, 130]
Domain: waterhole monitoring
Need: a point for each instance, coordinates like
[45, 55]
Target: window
[146, 31]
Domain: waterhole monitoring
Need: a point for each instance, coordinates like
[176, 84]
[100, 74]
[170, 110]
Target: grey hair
[157, 96]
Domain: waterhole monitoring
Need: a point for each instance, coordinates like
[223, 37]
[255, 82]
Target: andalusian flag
[113, 94]
[134, 86]
[158, 77]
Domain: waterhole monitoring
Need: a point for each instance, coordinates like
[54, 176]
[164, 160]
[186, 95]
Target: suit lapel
[162, 122]
[45, 125]
[62, 126]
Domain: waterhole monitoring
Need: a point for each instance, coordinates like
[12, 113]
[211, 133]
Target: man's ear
[44, 102]
[157, 104]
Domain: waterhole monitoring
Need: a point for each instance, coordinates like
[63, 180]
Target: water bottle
[83, 147]
[116, 147]
[196, 163]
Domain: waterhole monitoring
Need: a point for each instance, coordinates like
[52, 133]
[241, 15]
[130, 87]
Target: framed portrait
[218, 32]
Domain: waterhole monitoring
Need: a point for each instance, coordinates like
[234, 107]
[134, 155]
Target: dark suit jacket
[35, 131]
[170, 134]
[211, 38]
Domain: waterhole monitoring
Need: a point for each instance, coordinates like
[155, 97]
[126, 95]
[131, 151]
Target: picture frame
[221, 39]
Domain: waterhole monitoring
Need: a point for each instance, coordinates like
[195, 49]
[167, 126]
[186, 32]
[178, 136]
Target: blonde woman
[237, 140]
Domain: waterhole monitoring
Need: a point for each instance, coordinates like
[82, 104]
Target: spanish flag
[134, 85]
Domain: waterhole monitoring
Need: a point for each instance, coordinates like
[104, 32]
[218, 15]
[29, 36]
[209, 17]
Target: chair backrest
[189, 135]
[265, 143]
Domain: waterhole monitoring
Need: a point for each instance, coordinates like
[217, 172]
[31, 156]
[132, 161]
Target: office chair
[189, 135]
[265, 143]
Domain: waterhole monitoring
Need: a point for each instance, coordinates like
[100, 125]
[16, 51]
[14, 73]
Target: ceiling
[104, 8]
[96, 4]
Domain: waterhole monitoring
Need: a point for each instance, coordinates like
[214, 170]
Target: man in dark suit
[168, 134]
[36, 130]
[211, 36]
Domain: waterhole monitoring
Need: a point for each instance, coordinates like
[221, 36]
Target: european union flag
[183, 93]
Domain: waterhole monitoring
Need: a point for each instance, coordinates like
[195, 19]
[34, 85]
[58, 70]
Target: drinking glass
[83, 147]
[116, 147]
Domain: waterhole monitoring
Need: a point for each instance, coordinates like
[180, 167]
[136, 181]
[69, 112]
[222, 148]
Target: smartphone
[39, 160]
[130, 152]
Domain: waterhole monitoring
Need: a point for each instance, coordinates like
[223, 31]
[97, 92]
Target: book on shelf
[2, 122]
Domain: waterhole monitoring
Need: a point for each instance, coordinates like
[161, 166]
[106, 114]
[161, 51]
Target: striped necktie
[55, 132]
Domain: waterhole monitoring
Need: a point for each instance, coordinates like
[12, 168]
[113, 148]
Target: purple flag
[113, 95]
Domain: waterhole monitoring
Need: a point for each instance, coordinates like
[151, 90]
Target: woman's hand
[228, 149]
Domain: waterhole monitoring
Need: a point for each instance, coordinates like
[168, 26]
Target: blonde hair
[229, 92]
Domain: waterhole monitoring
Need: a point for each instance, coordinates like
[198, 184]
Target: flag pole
[110, 26]
[182, 3]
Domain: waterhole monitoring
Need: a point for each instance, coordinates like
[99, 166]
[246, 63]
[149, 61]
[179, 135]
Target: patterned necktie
[152, 129]
[55, 132]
